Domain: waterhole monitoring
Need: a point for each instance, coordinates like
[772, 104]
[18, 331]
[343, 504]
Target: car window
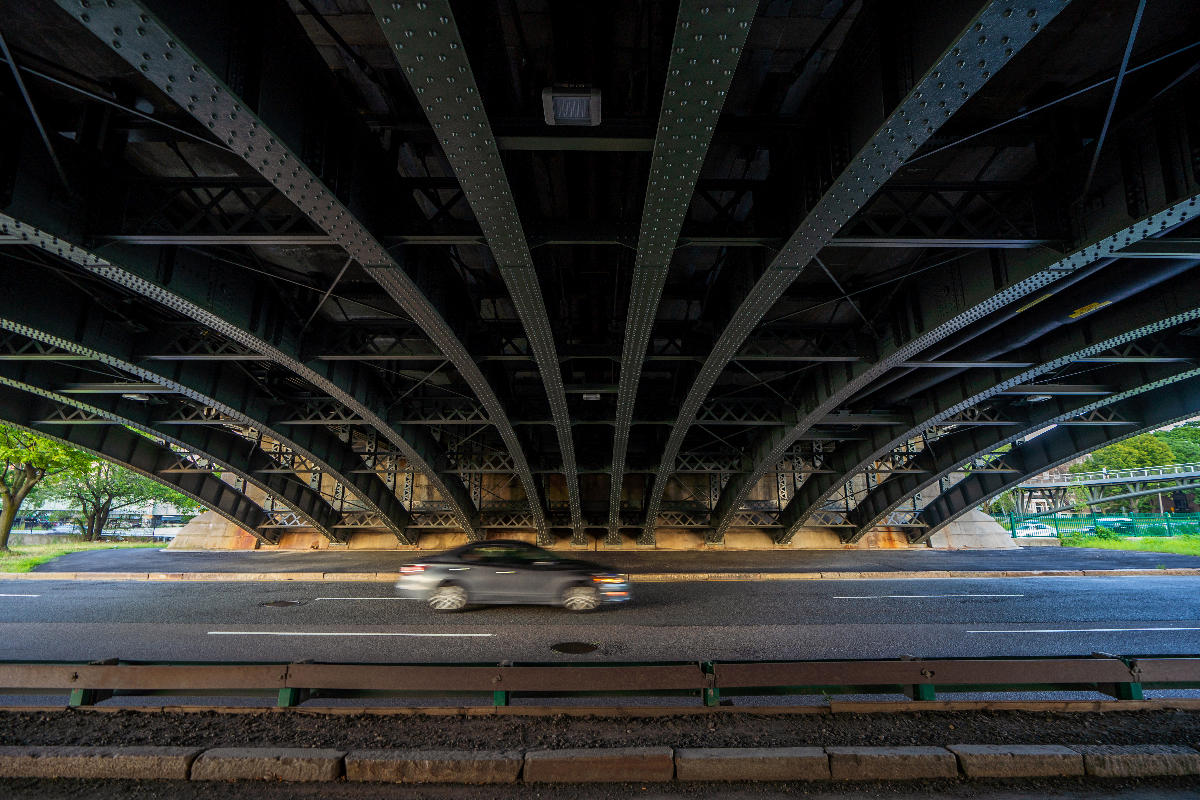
[488, 554]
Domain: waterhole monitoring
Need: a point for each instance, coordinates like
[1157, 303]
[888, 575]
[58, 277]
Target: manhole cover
[574, 648]
[283, 603]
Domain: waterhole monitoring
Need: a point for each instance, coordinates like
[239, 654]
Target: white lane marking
[339, 633]
[1092, 630]
[366, 598]
[912, 596]
[20, 595]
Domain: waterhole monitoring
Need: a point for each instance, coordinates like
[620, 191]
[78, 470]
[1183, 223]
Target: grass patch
[1182, 545]
[24, 557]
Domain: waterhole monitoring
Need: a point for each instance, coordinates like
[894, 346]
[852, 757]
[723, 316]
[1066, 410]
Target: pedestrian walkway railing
[1123, 678]
[1101, 525]
[1136, 474]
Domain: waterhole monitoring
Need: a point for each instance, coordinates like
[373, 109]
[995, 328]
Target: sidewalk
[148, 564]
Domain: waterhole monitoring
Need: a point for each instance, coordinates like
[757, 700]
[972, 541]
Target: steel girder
[138, 453]
[436, 66]
[989, 40]
[269, 136]
[195, 286]
[231, 452]
[970, 445]
[36, 305]
[704, 55]
[1143, 315]
[1152, 410]
[977, 288]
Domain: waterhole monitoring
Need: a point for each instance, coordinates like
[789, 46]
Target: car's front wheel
[581, 598]
[448, 597]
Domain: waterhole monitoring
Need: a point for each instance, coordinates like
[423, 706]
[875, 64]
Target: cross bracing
[582, 333]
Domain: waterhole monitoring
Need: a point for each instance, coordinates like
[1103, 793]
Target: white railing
[1114, 476]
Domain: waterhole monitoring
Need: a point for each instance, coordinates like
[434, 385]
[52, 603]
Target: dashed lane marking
[20, 595]
[914, 596]
[1095, 630]
[344, 633]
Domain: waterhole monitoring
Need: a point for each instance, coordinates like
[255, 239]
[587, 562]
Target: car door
[485, 572]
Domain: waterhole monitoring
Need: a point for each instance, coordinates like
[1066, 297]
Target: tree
[1184, 442]
[1145, 450]
[27, 460]
[101, 487]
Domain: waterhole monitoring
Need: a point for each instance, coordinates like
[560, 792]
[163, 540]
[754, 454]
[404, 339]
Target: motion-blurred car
[510, 572]
[1033, 529]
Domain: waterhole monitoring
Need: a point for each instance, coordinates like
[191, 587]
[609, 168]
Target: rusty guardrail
[1121, 677]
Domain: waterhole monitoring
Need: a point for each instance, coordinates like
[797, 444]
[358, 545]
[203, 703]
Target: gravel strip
[211, 729]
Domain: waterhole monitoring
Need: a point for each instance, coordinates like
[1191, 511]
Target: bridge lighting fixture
[1038, 398]
[591, 395]
[138, 396]
[571, 105]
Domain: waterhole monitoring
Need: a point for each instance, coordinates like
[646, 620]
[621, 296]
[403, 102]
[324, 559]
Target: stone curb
[138, 763]
[600, 765]
[644, 577]
[596, 765]
[268, 763]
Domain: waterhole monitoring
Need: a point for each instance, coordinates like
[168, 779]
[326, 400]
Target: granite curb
[635, 577]
[600, 764]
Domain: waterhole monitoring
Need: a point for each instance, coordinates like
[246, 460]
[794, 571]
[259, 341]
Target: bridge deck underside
[855, 267]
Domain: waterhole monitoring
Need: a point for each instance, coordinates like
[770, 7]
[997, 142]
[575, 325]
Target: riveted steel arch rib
[960, 72]
[134, 451]
[436, 65]
[226, 449]
[704, 56]
[974, 444]
[1152, 410]
[273, 153]
[35, 304]
[1133, 319]
[183, 281]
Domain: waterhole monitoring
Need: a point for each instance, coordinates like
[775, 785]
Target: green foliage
[1184, 545]
[101, 487]
[1184, 442]
[27, 459]
[1146, 450]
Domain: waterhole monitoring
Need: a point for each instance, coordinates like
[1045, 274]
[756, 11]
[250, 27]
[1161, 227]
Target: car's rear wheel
[448, 597]
[581, 598]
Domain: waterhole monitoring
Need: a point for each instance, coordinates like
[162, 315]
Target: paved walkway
[361, 561]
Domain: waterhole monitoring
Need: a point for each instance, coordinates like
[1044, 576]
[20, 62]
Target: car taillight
[409, 569]
[608, 578]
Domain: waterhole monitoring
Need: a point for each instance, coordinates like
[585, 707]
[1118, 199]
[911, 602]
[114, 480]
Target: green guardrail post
[1129, 691]
[1057, 530]
[1012, 525]
[1167, 522]
[711, 694]
[290, 698]
[924, 691]
[87, 697]
[500, 697]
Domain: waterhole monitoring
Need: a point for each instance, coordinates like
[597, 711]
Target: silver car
[510, 572]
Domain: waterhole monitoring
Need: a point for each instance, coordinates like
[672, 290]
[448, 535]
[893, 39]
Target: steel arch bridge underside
[854, 266]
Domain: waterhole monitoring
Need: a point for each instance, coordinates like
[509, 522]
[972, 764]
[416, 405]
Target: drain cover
[574, 648]
[283, 603]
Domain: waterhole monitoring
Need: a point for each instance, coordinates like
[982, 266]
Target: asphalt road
[88, 620]
[1034, 558]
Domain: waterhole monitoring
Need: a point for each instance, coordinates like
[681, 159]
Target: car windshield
[508, 552]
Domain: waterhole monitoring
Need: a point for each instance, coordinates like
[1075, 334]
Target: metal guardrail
[1123, 678]
[1113, 475]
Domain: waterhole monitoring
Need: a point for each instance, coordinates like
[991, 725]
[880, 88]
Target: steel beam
[1153, 410]
[268, 133]
[436, 66]
[184, 282]
[983, 286]
[1143, 315]
[970, 446]
[35, 304]
[228, 450]
[987, 43]
[704, 56]
[138, 453]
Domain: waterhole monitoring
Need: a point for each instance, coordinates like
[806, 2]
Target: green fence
[1101, 525]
